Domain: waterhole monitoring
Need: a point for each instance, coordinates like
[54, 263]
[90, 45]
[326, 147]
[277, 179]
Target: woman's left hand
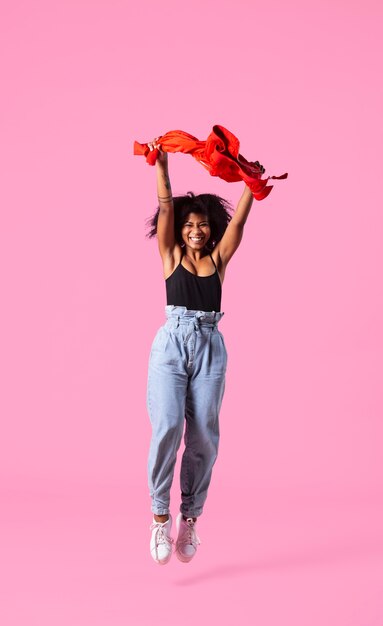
[260, 166]
[155, 145]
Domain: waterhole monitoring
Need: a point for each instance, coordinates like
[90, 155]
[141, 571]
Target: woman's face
[196, 231]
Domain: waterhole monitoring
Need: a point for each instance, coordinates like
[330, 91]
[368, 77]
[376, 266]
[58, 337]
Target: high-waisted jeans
[186, 382]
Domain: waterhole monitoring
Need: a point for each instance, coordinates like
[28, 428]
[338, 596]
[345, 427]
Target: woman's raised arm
[165, 224]
[234, 231]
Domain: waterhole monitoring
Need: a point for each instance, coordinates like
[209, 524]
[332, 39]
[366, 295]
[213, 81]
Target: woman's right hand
[162, 158]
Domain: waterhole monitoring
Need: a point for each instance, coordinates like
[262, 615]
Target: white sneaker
[187, 539]
[161, 541]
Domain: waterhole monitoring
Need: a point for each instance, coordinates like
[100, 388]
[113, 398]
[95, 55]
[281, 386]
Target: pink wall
[300, 84]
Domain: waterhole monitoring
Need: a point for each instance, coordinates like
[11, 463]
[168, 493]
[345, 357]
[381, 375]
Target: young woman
[197, 238]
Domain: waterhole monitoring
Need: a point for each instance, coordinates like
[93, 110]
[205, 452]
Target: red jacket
[219, 154]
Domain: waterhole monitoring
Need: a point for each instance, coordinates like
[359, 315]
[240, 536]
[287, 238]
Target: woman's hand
[162, 158]
[260, 166]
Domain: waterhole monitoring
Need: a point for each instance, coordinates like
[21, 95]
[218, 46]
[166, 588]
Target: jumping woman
[197, 236]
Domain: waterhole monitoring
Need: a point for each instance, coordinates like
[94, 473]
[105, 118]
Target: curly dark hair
[217, 210]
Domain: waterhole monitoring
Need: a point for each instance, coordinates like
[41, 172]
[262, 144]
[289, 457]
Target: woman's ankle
[161, 518]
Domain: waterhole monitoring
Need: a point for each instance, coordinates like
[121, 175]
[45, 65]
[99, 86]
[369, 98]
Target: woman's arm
[165, 224]
[233, 233]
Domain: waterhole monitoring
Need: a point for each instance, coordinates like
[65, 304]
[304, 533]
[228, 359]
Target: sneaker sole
[182, 558]
[162, 562]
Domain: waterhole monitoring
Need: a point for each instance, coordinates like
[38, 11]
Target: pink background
[292, 527]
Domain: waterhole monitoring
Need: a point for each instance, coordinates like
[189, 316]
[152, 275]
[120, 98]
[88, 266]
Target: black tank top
[197, 293]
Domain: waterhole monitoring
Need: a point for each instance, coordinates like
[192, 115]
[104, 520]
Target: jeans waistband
[182, 315]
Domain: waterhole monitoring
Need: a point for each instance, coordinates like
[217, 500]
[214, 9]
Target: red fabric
[219, 154]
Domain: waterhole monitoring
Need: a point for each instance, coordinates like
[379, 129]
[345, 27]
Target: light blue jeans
[186, 382]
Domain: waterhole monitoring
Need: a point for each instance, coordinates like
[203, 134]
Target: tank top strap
[182, 256]
[212, 260]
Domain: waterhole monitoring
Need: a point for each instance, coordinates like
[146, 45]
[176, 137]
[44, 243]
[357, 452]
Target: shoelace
[190, 536]
[161, 536]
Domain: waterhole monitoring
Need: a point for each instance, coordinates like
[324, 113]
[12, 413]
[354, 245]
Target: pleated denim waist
[180, 315]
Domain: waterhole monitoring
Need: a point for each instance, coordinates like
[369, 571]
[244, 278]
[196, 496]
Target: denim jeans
[186, 382]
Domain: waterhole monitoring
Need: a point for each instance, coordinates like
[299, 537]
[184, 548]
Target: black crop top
[197, 293]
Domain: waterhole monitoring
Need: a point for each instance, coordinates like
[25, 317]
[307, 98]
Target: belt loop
[177, 321]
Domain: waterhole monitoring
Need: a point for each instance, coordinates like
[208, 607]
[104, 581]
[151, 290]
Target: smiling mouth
[196, 239]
